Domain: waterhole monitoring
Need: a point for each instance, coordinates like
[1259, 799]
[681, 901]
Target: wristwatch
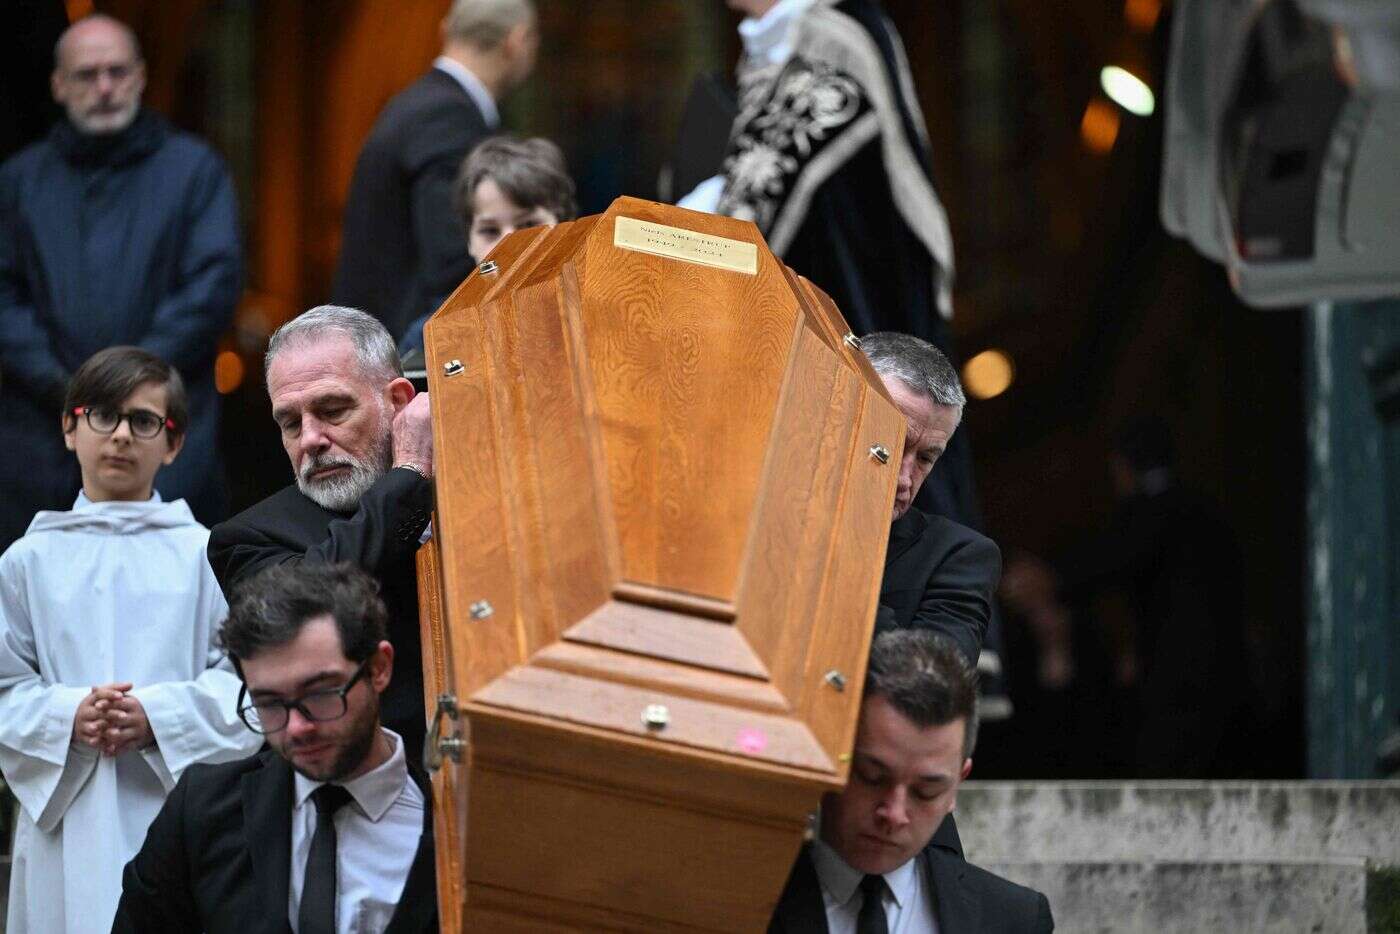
[413, 467]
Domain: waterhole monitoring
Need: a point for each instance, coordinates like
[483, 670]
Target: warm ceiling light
[989, 374]
[1099, 128]
[1127, 90]
[228, 371]
[1141, 15]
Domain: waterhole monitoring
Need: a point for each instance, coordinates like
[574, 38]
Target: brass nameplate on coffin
[688, 245]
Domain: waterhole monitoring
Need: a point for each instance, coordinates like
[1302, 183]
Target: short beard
[357, 746]
[105, 124]
[342, 493]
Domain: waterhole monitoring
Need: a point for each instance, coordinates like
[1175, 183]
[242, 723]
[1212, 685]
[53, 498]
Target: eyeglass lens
[144, 424]
[316, 707]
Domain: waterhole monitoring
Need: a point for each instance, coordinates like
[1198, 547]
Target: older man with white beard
[361, 449]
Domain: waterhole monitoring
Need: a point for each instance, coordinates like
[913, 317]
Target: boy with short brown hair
[110, 680]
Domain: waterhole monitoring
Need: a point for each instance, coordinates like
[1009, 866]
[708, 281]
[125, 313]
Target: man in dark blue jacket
[114, 229]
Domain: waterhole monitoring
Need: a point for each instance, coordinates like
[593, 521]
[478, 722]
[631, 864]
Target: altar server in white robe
[111, 682]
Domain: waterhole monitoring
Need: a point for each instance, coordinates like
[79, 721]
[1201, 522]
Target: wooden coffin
[664, 480]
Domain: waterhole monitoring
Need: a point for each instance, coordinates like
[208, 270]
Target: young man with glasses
[111, 681]
[328, 830]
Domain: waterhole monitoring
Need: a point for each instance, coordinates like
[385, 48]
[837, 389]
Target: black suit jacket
[217, 858]
[381, 537]
[966, 900]
[403, 247]
[941, 575]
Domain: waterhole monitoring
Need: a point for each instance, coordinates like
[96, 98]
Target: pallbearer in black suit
[874, 868]
[328, 831]
[403, 248]
[361, 449]
[938, 574]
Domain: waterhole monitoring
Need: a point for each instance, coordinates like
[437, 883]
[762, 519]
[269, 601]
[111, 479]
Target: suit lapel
[904, 532]
[953, 904]
[267, 827]
[801, 909]
[418, 908]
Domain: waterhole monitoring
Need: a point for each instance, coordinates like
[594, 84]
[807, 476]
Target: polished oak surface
[656, 500]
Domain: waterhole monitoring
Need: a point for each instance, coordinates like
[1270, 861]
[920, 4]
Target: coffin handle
[438, 746]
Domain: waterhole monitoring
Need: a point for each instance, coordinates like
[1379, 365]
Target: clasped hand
[112, 721]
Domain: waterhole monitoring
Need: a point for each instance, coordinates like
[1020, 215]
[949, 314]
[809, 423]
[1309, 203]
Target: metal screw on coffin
[852, 341]
[452, 367]
[835, 679]
[481, 609]
[880, 453]
[656, 716]
[488, 267]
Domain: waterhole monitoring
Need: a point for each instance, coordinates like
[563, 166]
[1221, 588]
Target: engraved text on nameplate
[689, 245]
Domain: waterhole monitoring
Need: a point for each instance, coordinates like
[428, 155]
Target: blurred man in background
[402, 248]
[114, 229]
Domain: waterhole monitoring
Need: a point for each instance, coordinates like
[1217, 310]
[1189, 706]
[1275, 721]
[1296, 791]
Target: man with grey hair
[361, 449]
[115, 228]
[403, 248]
[938, 574]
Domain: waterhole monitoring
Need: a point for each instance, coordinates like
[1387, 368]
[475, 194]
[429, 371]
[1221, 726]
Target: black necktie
[871, 919]
[317, 912]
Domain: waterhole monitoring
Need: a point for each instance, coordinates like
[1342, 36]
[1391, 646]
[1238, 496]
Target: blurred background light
[1141, 15]
[988, 374]
[1099, 127]
[228, 371]
[1127, 90]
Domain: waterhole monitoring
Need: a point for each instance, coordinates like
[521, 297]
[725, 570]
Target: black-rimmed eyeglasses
[144, 423]
[272, 716]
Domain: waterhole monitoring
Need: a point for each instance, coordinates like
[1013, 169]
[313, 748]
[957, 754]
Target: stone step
[1165, 897]
[1002, 822]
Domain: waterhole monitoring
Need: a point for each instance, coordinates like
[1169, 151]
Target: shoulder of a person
[206, 782]
[26, 161]
[1010, 897]
[274, 510]
[434, 91]
[956, 532]
[187, 149]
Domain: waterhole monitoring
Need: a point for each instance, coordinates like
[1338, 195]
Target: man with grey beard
[361, 449]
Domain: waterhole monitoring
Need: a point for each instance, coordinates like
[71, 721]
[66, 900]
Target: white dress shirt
[474, 88]
[908, 905]
[376, 839]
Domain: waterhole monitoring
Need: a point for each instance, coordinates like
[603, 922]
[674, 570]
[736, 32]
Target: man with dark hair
[874, 868]
[402, 246]
[114, 229]
[361, 449]
[331, 828]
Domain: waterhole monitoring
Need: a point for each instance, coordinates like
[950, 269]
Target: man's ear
[966, 769]
[70, 430]
[381, 667]
[401, 393]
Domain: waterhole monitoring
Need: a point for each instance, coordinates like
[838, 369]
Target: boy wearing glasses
[111, 682]
[329, 830]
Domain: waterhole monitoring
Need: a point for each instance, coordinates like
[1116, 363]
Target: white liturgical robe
[107, 592]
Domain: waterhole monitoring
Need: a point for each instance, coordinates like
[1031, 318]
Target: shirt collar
[769, 38]
[82, 501]
[840, 880]
[373, 791]
[473, 86]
